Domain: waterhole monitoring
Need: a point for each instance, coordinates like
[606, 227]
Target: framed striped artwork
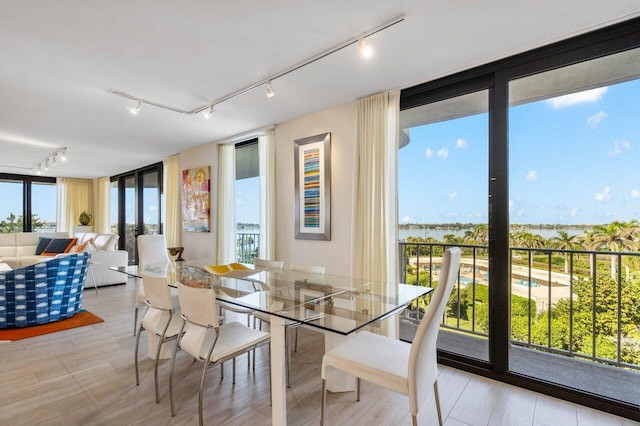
[312, 162]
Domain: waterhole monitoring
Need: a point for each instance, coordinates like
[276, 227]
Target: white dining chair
[269, 265]
[204, 339]
[409, 369]
[159, 319]
[152, 249]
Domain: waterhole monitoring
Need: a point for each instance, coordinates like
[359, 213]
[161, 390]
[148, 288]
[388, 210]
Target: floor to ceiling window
[574, 142]
[442, 181]
[138, 205]
[558, 248]
[247, 201]
[30, 197]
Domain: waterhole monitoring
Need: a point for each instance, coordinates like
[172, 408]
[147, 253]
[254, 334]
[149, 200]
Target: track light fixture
[208, 113]
[270, 92]
[52, 160]
[365, 50]
[136, 109]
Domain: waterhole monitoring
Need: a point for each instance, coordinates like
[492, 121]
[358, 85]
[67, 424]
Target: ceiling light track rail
[267, 83]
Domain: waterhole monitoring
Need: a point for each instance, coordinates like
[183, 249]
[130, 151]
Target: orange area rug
[80, 319]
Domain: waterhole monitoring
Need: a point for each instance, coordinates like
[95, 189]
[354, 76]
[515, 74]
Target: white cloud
[461, 143]
[240, 201]
[532, 176]
[443, 153]
[594, 120]
[603, 196]
[574, 213]
[577, 98]
[428, 153]
[635, 193]
[452, 215]
[407, 219]
[511, 205]
[520, 212]
[619, 147]
[453, 196]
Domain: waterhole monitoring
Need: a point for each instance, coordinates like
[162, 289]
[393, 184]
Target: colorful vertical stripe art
[312, 188]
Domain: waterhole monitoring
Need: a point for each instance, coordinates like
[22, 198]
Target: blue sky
[573, 160]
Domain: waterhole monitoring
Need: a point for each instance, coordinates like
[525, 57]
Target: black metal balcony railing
[247, 247]
[583, 304]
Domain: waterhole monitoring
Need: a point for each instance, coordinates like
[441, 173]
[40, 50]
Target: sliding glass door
[138, 206]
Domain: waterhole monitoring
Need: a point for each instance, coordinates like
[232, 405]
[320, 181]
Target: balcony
[575, 314]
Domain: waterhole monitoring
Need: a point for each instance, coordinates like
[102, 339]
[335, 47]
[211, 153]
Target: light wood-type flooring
[85, 376]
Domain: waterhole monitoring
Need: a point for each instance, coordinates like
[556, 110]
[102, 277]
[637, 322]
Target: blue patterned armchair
[44, 292]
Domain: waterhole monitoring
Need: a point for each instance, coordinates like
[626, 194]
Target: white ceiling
[59, 58]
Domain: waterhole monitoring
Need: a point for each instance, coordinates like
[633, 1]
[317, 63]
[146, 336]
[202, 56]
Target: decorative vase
[84, 218]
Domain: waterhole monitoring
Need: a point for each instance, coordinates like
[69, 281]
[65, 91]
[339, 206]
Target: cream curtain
[375, 235]
[226, 204]
[267, 161]
[74, 197]
[101, 205]
[172, 196]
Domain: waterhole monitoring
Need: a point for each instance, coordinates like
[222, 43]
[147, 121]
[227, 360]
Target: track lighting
[270, 92]
[52, 160]
[208, 113]
[136, 109]
[365, 49]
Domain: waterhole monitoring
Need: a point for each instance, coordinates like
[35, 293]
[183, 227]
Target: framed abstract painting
[195, 199]
[312, 163]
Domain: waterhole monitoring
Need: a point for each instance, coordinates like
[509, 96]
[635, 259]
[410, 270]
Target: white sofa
[18, 250]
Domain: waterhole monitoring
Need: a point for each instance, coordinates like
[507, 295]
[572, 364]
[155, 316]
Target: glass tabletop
[335, 303]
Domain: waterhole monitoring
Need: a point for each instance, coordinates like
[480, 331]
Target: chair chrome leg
[233, 363]
[204, 374]
[135, 319]
[173, 363]
[437, 397]
[357, 388]
[136, 354]
[323, 405]
[155, 371]
[288, 356]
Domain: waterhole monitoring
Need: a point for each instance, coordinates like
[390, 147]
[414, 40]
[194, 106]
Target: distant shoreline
[458, 226]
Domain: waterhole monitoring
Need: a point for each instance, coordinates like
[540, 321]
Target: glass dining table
[336, 305]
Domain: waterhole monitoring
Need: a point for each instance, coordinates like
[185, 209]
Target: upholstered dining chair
[159, 319]
[409, 369]
[152, 250]
[202, 337]
[270, 265]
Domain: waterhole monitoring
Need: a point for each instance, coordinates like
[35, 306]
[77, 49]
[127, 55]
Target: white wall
[335, 254]
[202, 245]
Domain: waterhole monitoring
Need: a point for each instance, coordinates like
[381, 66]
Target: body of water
[439, 234]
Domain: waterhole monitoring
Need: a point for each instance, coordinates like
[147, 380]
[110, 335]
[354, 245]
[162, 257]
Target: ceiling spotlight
[54, 159]
[46, 165]
[136, 109]
[39, 170]
[63, 154]
[209, 112]
[365, 49]
[270, 92]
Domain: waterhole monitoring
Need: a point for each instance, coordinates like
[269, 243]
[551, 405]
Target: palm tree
[565, 242]
[528, 240]
[479, 235]
[616, 236]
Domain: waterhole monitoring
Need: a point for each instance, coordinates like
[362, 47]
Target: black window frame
[27, 181]
[600, 43]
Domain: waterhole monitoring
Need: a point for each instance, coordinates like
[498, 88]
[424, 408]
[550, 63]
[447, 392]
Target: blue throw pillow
[59, 245]
[42, 244]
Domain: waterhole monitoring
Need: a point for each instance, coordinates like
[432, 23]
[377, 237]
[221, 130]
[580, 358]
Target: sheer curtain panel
[226, 204]
[267, 161]
[74, 197]
[101, 205]
[172, 197]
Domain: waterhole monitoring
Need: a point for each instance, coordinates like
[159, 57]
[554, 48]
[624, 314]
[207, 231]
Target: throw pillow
[59, 245]
[5, 267]
[43, 242]
[90, 246]
[78, 248]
